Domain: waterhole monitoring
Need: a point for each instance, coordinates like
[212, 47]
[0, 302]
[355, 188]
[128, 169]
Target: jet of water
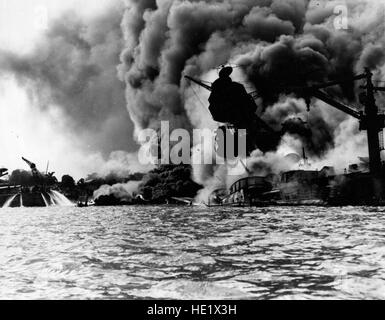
[45, 200]
[8, 203]
[60, 199]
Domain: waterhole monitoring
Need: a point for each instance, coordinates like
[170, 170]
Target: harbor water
[192, 253]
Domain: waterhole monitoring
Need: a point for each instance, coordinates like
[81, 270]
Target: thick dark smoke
[276, 43]
[74, 68]
[165, 182]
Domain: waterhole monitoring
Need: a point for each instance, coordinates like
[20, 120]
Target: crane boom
[338, 82]
[323, 96]
[370, 120]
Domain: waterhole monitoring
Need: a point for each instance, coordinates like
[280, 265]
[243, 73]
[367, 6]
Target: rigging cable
[199, 99]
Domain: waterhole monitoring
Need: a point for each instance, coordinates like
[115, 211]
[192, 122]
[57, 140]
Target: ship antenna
[245, 166]
[305, 159]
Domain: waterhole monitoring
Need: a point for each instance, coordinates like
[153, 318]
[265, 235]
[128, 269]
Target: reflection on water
[192, 253]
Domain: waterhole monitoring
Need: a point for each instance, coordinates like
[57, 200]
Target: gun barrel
[31, 165]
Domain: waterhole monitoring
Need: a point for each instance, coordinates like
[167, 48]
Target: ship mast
[253, 95]
[370, 120]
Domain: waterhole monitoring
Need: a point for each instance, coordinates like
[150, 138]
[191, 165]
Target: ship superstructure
[358, 186]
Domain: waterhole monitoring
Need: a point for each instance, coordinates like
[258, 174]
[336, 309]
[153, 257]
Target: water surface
[192, 253]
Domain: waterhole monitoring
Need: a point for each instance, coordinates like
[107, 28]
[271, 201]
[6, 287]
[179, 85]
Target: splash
[45, 200]
[60, 199]
[8, 203]
[55, 198]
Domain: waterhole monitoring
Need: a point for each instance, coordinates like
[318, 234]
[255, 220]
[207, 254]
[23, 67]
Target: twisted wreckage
[41, 193]
[362, 184]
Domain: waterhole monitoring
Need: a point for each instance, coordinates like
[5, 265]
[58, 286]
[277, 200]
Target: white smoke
[122, 191]
[273, 42]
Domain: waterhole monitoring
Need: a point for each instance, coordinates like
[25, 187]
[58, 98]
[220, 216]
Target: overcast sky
[29, 131]
[23, 21]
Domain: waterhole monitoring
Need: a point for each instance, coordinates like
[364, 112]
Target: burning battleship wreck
[365, 186]
[300, 76]
[35, 190]
[315, 83]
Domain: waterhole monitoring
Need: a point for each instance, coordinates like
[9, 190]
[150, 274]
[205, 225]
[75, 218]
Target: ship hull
[306, 188]
[28, 200]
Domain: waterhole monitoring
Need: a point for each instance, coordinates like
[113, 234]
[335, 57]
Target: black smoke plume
[277, 44]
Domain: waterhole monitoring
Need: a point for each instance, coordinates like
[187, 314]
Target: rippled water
[192, 253]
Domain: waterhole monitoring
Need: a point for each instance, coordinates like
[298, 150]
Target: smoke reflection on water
[192, 253]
